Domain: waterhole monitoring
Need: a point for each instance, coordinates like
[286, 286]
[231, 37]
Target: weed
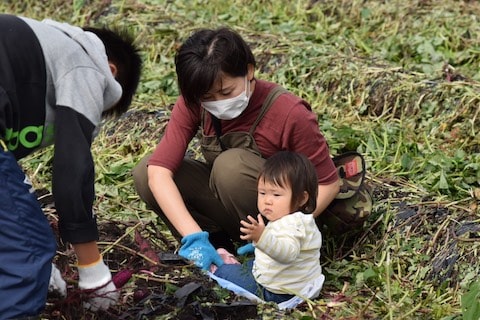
[395, 80]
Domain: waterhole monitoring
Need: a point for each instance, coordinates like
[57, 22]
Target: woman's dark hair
[126, 57]
[294, 170]
[205, 55]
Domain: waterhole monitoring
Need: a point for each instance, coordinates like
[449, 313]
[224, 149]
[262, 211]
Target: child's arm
[282, 240]
[283, 248]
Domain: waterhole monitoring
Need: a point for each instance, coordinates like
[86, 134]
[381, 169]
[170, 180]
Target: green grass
[374, 72]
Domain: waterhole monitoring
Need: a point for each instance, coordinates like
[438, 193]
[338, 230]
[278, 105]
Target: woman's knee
[140, 180]
[236, 166]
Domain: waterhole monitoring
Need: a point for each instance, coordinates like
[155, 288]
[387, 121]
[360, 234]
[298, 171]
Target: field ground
[395, 80]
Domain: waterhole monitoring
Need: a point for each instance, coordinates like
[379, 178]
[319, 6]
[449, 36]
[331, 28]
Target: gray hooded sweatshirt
[74, 80]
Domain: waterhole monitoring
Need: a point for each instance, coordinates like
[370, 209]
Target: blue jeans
[241, 275]
[27, 245]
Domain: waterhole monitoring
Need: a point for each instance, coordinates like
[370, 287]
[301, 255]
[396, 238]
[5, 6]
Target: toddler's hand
[252, 230]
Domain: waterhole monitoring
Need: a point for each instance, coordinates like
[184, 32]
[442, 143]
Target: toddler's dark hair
[294, 170]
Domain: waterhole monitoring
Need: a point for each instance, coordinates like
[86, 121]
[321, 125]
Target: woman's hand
[252, 229]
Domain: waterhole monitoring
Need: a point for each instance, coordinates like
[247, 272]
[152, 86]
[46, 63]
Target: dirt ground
[157, 282]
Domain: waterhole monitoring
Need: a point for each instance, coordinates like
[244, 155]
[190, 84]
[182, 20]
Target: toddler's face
[273, 201]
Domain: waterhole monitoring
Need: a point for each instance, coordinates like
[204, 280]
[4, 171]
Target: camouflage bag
[353, 204]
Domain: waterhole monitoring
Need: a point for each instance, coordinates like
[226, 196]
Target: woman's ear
[113, 68]
[250, 72]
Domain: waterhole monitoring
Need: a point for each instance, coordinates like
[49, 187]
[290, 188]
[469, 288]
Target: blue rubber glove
[197, 248]
[246, 249]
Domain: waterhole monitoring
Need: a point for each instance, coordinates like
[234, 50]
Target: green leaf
[443, 183]
[78, 4]
[369, 273]
[471, 302]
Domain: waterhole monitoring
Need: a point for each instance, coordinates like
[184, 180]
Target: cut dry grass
[396, 80]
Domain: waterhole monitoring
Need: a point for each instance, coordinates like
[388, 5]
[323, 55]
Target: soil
[161, 283]
[158, 282]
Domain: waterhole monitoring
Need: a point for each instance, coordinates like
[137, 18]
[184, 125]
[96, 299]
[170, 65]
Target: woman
[203, 202]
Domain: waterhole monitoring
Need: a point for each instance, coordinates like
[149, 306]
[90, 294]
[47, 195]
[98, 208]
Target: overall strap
[216, 126]
[218, 130]
[271, 97]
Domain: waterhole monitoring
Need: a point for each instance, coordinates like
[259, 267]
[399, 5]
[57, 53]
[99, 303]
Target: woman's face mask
[228, 109]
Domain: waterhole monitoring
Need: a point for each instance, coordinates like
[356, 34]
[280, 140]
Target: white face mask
[228, 109]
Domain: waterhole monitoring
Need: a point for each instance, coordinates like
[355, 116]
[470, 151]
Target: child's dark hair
[125, 55]
[205, 55]
[292, 169]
